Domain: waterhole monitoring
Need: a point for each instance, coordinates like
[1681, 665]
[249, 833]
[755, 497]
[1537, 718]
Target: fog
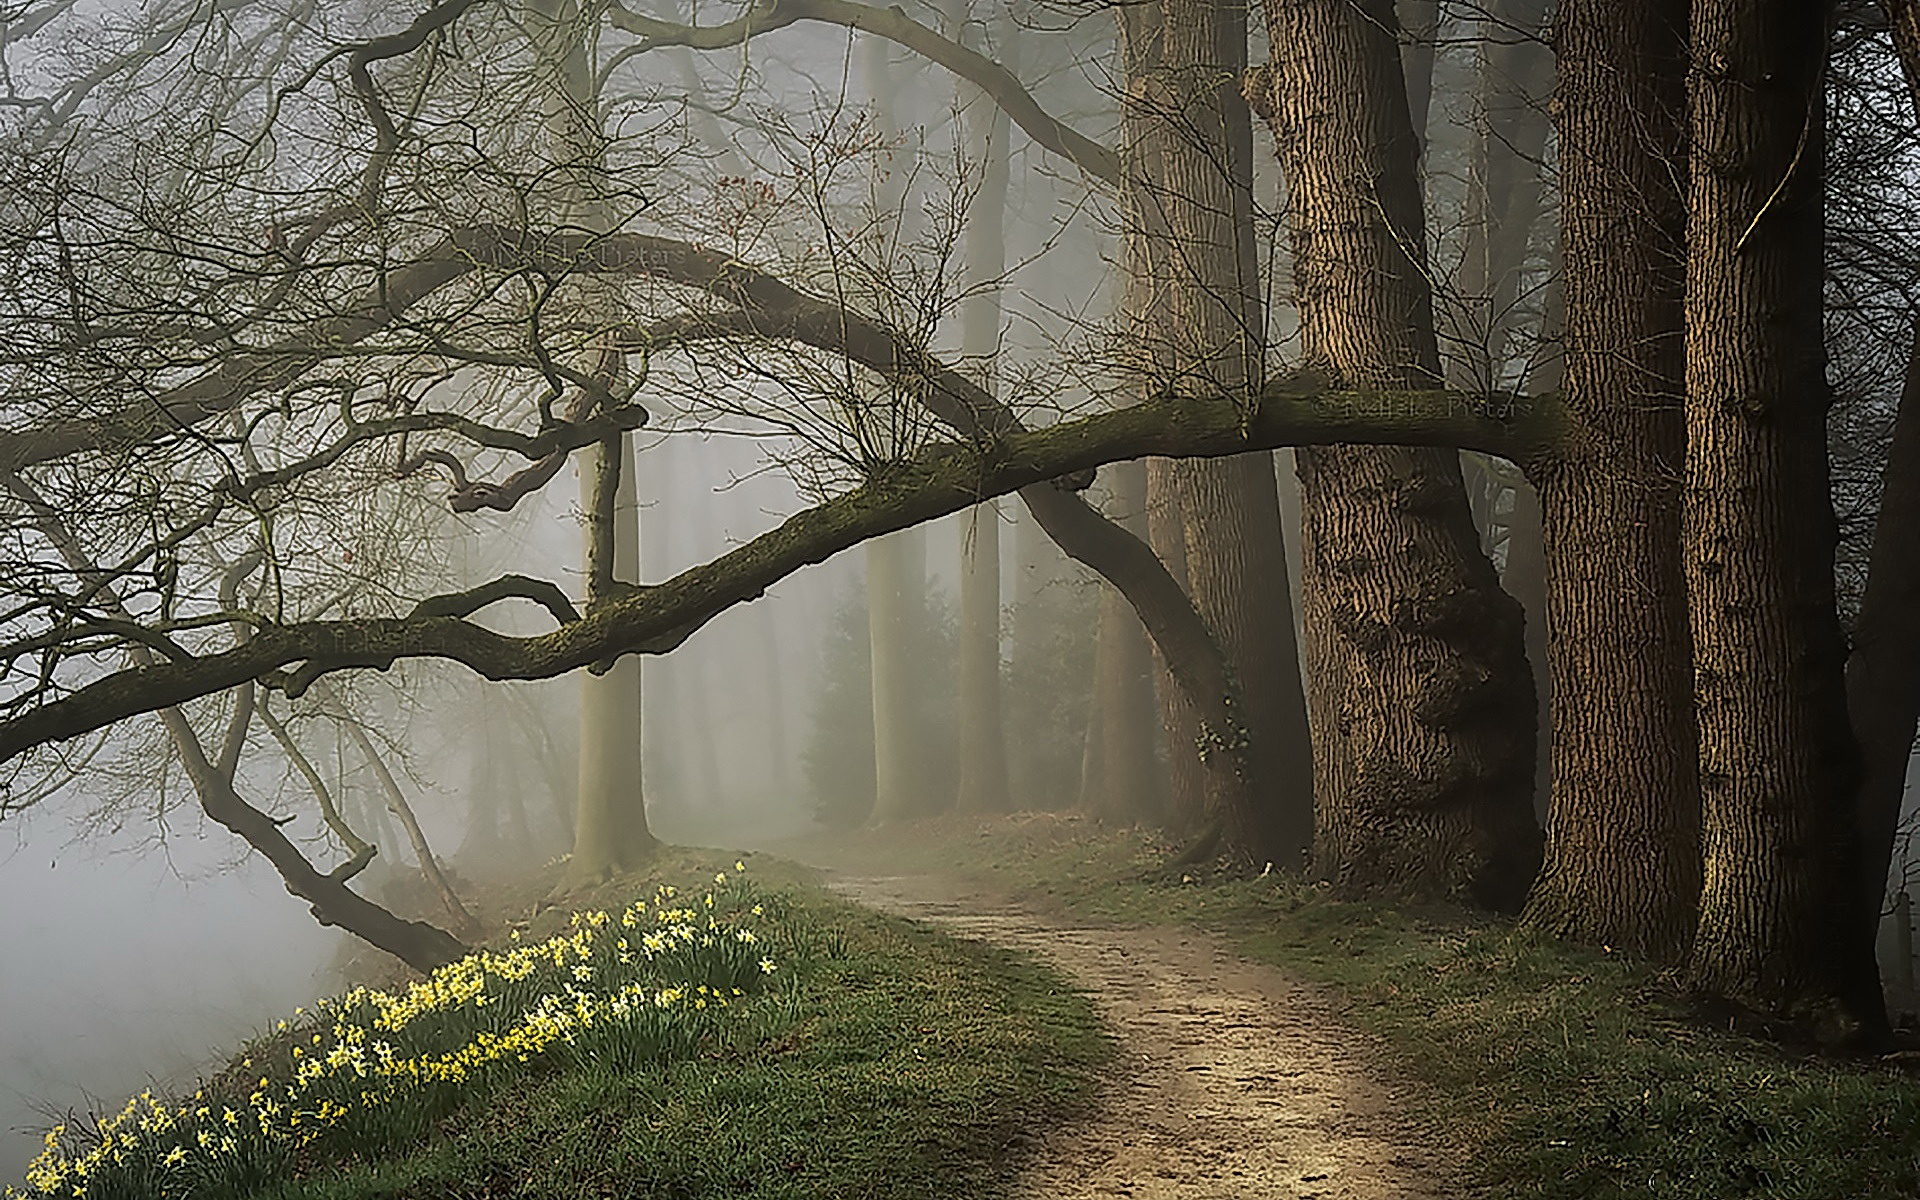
[143, 941]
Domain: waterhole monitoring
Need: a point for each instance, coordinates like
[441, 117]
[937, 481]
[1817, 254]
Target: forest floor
[1332, 1048]
[1233, 1080]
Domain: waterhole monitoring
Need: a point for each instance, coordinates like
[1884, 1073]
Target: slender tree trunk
[1180, 726]
[983, 743]
[1123, 683]
[1883, 672]
[1419, 693]
[610, 830]
[1622, 860]
[984, 783]
[893, 667]
[1201, 327]
[402, 811]
[1780, 929]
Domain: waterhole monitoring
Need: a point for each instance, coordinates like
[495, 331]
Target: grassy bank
[834, 1052]
[1573, 1073]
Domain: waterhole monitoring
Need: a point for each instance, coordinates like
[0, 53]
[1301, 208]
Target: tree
[1623, 857]
[1418, 686]
[1779, 767]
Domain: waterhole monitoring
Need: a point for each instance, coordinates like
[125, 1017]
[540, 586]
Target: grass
[876, 1058]
[1571, 1073]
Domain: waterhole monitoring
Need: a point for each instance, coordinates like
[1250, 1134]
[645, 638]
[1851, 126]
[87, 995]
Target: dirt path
[1234, 1083]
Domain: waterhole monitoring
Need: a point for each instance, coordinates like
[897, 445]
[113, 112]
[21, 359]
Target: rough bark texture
[1622, 859]
[1779, 770]
[1419, 693]
[1188, 202]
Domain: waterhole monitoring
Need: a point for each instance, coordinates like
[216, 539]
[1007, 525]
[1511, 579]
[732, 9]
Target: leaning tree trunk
[1779, 928]
[1197, 311]
[1419, 693]
[1622, 860]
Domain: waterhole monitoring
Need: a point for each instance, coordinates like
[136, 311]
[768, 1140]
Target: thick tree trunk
[1189, 204]
[1622, 859]
[1883, 672]
[1419, 693]
[1780, 930]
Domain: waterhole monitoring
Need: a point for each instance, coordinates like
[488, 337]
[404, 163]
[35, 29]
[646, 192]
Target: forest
[1419, 456]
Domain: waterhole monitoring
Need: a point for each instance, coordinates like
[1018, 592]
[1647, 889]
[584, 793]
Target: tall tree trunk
[1622, 863]
[895, 792]
[1180, 725]
[1129, 772]
[983, 743]
[610, 830]
[1780, 930]
[1419, 693]
[1188, 207]
[1883, 671]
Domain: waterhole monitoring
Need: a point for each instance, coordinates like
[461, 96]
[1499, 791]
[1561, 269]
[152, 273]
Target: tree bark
[1180, 726]
[1129, 773]
[1199, 324]
[1419, 695]
[1622, 858]
[1780, 929]
[610, 829]
[1883, 671]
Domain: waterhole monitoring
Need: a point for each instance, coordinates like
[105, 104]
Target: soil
[1234, 1081]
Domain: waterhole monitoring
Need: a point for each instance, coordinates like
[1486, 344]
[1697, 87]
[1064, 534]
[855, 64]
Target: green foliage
[1564, 1073]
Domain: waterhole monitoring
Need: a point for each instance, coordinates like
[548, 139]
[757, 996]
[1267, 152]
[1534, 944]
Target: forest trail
[1234, 1082]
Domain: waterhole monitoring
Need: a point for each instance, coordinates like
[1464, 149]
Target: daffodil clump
[371, 1069]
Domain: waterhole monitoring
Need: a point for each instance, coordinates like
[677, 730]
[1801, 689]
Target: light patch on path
[1234, 1081]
